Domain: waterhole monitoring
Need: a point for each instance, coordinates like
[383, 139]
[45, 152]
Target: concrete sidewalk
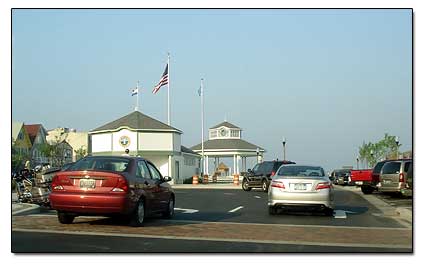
[18, 207]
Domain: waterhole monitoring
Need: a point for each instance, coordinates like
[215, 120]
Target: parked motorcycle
[35, 187]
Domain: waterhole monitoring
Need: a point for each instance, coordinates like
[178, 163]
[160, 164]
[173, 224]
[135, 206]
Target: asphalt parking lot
[232, 217]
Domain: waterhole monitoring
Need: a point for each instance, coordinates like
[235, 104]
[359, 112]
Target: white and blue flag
[134, 91]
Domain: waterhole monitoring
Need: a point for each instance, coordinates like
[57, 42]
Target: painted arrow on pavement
[341, 213]
[186, 210]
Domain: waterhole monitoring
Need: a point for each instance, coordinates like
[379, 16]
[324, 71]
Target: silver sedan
[300, 187]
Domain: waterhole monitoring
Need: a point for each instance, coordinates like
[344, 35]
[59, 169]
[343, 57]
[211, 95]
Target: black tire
[264, 185]
[169, 212]
[272, 210]
[245, 185]
[65, 218]
[367, 189]
[138, 215]
[328, 212]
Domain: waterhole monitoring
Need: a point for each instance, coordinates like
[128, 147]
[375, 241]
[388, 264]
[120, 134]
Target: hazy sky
[327, 80]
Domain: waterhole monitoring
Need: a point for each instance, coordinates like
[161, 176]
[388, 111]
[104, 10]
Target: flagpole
[202, 124]
[137, 96]
[168, 88]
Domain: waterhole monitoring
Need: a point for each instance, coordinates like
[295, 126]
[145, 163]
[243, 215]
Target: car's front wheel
[170, 209]
[245, 185]
[65, 218]
[139, 214]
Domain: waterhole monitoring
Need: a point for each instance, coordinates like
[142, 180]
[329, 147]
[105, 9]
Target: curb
[32, 208]
[404, 213]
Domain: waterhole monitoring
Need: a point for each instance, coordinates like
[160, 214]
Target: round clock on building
[223, 132]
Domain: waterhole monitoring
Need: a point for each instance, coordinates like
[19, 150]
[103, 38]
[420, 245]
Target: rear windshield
[378, 166]
[303, 171]
[342, 172]
[391, 168]
[267, 167]
[102, 163]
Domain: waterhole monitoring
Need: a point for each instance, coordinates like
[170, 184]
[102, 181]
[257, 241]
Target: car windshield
[304, 171]
[101, 163]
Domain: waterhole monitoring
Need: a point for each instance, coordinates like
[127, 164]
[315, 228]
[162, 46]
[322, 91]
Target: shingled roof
[184, 149]
[226, 124]
[226, 144]
[32, 130]
[136, 121]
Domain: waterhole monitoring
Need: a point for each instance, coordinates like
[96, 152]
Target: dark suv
[260, 175]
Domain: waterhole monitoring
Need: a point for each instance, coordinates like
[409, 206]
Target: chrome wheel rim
[264, 185]
[245, 184]
[141, 212]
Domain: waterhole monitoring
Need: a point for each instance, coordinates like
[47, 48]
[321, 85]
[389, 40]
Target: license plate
[87, 183]
[359, 182]
[387, 181]
[300, 186]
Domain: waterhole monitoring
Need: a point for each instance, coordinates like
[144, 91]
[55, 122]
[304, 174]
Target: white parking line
[258, 197]
[235, 209]
[340, 214]
[187, 210]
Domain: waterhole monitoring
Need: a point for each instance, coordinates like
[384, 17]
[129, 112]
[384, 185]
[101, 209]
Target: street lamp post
[372, 154]
[284, 148]
[397, 143]
[257, 155]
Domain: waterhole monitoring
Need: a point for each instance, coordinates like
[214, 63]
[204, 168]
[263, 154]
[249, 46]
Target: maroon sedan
[110, 186]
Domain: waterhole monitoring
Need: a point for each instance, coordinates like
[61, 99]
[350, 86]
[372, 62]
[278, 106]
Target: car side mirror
[249, 170]
[167, 179]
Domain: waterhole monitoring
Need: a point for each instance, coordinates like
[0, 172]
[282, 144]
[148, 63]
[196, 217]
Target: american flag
[163, 81]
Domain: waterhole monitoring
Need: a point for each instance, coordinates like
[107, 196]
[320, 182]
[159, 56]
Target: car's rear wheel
[265, 185]
[367, 189]
[170, 209]
[245, 185]
[272, 210]
[65, 218]
[328, 211]
[139, 214]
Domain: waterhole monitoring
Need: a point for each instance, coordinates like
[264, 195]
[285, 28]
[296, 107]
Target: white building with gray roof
[225, 140]
[149, 138]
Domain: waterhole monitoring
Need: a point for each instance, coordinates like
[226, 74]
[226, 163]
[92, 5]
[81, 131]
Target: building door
[176, 165]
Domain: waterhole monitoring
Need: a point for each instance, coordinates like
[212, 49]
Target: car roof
[117, 156]
[299, 165]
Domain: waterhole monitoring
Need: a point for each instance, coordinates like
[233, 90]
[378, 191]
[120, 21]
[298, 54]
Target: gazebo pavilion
[225, 141]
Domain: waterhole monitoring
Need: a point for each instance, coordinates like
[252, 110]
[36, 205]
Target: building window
[234, 133]
[213, 134]
[188, 161]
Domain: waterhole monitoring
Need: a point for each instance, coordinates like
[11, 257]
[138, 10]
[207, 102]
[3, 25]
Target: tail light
[277, 184]
[121, 185]
[272, 173]
[55, 184]
[401, 177]
[323, 185]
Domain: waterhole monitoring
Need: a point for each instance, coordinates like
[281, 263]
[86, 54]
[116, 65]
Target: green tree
[18, 158]
[81, 152]
[374, 152]
[55, 152]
